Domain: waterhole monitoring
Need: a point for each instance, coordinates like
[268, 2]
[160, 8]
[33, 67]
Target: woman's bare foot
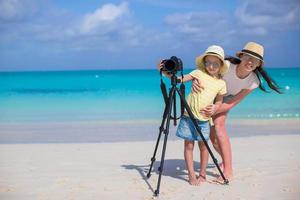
[220, 179]
[201, 178]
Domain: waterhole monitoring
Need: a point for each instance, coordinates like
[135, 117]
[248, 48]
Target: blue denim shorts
[186, 129]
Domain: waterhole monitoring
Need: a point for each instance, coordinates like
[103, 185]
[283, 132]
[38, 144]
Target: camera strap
[163, 88]
[182, 91]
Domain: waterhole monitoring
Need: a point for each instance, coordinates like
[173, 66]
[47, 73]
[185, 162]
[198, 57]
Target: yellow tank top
[212, 88]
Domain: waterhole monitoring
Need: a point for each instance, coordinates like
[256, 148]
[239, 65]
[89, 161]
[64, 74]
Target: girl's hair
[260, 72]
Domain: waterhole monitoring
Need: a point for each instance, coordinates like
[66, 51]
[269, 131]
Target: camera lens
[170, 65]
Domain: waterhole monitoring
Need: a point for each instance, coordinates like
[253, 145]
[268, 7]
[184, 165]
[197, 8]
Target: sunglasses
[215, 65]
[251, 59]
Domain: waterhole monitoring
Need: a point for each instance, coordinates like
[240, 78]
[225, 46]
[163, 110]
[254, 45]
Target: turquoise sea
[121, 95]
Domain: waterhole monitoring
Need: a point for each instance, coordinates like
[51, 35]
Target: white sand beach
[266, 167]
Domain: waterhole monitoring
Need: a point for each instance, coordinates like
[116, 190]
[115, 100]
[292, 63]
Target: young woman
[241, 79]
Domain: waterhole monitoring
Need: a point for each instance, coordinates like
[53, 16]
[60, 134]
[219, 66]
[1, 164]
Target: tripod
[164, 128]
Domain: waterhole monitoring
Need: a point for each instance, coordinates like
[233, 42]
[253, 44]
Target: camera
[172, 65]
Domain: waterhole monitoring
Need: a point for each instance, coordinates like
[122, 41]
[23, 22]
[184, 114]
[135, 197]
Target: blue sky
[94, 34]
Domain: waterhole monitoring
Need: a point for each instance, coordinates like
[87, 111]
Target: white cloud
[8, 9]
[256, 18]
[109, 27]
[259, 31]
[113, 27]
[17, 9]
[267, 16]
[200, 26]
[106, 14]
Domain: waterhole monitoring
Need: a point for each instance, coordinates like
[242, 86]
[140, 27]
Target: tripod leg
[161, 129]
[166, 132]
[191, 115]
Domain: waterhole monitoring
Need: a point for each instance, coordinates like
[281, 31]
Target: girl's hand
[209, 110]
[197, 86]
[160, 65]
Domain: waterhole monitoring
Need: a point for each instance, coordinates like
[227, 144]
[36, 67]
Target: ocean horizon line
[112, 69]
[152, 121]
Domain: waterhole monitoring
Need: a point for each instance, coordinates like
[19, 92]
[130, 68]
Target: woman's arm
[220, 107]
[210, 110]
[224, 107]
[218, 102]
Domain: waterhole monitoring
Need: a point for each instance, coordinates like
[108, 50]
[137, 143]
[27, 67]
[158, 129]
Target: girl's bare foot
[193, 180]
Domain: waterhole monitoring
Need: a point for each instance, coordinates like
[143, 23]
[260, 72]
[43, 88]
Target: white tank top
[234, 84]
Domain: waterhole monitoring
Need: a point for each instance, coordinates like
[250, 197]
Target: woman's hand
[197, 86]
[209, 110]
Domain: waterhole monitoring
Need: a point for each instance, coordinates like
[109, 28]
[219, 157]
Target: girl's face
[249, 63]
[212, 65]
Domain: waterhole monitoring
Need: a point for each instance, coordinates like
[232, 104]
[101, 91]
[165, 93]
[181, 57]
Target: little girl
[210, 68]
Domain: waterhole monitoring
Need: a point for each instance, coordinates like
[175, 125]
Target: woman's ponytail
[260, 72]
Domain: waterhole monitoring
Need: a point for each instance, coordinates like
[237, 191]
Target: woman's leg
[214, 140]
[224, 144]
[203, 161]
[215, 143]
[189, 161]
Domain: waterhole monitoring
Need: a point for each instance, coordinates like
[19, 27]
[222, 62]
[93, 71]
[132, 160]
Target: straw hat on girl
[213, 50]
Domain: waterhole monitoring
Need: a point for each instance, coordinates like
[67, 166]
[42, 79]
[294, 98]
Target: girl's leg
[189, 161]
[203, 161]
[224, 144]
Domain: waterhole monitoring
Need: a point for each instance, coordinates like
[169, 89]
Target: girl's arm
[185, 78]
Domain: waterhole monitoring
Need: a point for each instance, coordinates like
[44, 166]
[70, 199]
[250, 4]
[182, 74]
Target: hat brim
[200, 63]
[239, 53]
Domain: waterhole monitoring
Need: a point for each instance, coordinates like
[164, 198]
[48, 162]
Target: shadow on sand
[174, 168]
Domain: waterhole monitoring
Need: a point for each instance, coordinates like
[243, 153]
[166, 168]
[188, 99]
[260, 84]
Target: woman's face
[212, 65]
[249, 63]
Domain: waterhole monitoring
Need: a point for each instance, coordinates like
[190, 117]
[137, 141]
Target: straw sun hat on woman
[253, 49]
